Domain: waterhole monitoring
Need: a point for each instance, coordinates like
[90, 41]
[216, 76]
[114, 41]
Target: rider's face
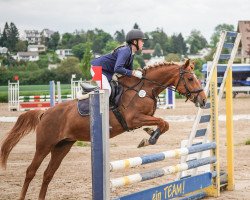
[140, 44]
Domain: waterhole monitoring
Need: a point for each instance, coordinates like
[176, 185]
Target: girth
[120, 118]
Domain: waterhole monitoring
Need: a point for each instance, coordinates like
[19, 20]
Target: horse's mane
[160, 64]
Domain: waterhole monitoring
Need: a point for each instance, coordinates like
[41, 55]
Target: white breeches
[105, 82]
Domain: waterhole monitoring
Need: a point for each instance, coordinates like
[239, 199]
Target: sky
[173, 16]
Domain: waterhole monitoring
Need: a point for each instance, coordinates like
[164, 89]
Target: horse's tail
[26, 122]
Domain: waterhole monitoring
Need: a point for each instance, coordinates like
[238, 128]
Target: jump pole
[99, 129]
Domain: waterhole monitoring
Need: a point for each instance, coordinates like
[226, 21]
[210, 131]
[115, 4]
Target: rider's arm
[120, 66]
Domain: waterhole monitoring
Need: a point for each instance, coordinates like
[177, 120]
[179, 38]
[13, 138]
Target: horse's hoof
[143, 143]
[149, 130]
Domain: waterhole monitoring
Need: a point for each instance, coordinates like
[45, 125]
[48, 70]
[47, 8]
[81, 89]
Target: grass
[31, 90]
[247, 142]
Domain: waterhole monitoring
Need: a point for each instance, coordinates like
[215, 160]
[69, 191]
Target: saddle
[116, 92]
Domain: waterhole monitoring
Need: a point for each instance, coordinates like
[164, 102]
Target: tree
[136, 26]
[178, 44]
[120, 36]
[196, 41]
[10, 36]
[85, 64]
[100, 40]
[68, 67]
[13, 37]
[78, 50]
[147, 42]
[198, 63]
[157, 50]
[159, 36]
[139, 59]
[110, 46]
[21, 45]
[216, 35]
[172, 57]
[66, 41]
[53, 41]
[5, 35]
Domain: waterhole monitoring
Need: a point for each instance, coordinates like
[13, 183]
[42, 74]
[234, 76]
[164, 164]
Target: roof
[27, 53]
[36, 46]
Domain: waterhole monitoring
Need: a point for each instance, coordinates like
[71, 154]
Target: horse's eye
[190, 79]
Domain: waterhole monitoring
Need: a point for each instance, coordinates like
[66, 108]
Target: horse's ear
[187, 63]
[192, 65]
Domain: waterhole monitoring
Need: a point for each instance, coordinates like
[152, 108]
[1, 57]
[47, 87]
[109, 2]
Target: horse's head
[189, 86]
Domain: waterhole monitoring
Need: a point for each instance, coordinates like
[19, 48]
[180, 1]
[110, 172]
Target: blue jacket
[120, 61]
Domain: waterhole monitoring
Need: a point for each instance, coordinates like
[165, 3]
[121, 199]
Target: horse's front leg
[162, 127]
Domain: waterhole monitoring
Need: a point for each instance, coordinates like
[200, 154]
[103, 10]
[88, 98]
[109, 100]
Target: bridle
[188, 93]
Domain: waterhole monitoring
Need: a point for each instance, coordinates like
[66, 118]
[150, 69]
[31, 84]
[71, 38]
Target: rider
[120, 61]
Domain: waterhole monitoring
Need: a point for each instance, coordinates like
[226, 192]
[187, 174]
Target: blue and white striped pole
[142, 160]
[139, 177]
[99, 131]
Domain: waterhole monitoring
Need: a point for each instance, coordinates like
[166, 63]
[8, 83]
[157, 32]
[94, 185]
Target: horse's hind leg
[57, 154]
[31, 170]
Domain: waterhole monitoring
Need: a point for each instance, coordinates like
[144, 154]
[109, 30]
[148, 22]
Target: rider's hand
[116, 76]
[137, 74]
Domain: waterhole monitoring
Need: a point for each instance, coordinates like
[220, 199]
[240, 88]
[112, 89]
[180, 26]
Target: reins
[187, 94]
[181, 78]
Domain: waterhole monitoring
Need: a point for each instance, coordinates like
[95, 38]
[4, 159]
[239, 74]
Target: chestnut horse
[58, 128]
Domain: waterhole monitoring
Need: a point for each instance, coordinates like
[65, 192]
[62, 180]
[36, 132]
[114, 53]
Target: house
[47, 33]
[3, 50]
[36, 37]
[36, 48]
[201, 53]
[32, 36]
[64, 53]
[244, 47]
[27, 56]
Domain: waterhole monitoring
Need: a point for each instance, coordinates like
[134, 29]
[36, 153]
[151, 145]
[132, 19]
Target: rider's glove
[137, 74]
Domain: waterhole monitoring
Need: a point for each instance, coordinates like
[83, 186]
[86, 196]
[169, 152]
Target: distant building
[3, 50]
[36, 48]
[27, 56]
[64, 53]
[244, 29]
[47, 33]
[32, 36]
[201, 54]
[37, 37]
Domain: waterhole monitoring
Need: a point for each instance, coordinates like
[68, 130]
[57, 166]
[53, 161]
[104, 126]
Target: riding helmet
[135, 34]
